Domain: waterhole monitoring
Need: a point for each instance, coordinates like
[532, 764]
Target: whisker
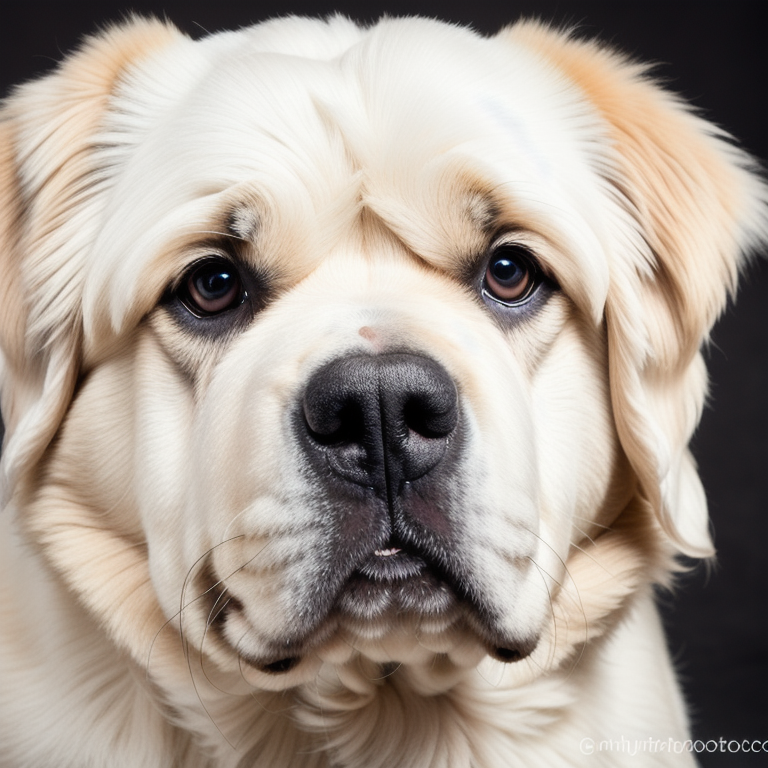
[577, 601]
[230, 235]
[594, 560]
[567, 571]
[185, 642]
[585, 535]
[184, 605]
[592, 522]
[543, 573]
[212, 616]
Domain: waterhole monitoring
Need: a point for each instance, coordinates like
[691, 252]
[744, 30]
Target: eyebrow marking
[482, 210]
[242, 223]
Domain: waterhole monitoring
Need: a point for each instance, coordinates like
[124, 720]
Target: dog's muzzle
[383, 438]
[383, 435]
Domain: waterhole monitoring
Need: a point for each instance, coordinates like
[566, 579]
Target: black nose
[381, 420]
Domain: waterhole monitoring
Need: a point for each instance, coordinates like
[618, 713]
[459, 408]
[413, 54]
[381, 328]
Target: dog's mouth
[395, 584]
[396, 579]
[393, 562]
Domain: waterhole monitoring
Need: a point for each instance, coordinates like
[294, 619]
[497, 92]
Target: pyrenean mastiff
[348, 375]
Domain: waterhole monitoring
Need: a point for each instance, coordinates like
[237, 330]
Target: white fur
[148, 466]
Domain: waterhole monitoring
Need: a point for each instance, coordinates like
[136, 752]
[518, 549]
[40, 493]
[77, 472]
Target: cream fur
[151, 468]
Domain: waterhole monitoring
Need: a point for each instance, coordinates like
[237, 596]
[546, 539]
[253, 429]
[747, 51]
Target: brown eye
[510, 276]
[212, 287]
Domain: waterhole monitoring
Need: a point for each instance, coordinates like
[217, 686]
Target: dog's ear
[699, 207]
[49, 185]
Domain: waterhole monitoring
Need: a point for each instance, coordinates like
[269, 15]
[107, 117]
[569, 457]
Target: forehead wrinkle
[377, 239]
[337, 130]
[442, 215]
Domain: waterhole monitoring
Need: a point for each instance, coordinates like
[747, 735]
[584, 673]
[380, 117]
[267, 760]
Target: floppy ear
[49, 212]
[698, 207]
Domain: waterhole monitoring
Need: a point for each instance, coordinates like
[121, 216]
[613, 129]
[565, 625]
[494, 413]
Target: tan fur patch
[48, 177]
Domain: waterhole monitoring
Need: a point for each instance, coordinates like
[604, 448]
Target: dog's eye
[511, 276]
[211, 287]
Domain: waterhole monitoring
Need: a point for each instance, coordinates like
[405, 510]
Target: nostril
[428, 418]
[332, 423]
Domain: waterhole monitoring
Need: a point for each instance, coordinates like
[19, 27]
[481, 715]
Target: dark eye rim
[522, 253]
[182, 292]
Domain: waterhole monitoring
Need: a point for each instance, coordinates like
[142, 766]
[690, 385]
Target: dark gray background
[715, 54]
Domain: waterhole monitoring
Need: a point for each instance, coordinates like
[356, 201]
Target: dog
[348, 376]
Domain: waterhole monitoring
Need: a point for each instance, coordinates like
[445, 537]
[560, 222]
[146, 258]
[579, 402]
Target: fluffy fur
[183, 549]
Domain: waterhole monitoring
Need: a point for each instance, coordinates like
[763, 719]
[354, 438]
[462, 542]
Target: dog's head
[391, 350]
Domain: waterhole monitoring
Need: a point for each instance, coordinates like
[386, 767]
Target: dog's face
[369, 354]
[385, 410]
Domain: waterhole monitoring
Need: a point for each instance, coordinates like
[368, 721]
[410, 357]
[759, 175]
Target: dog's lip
[395, 561]
[392, 577]
[398, 578]
[392, 562]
